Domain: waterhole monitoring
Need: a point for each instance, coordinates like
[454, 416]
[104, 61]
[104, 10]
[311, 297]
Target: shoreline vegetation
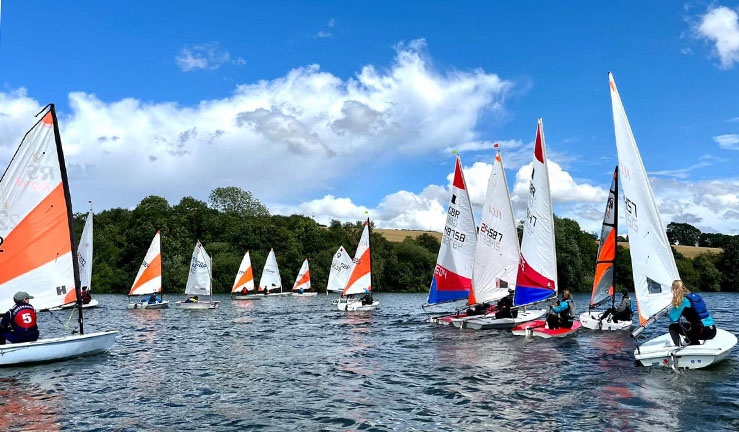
[234, 221]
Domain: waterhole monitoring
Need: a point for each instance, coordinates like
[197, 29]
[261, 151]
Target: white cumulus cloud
[720, 25]
[204, 56]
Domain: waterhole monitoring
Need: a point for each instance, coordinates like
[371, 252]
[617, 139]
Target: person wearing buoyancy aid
[699, 326]
[19, 323]
[503, 309]
[192, 299]
[562, 315]
[623, 311]
[244, 291]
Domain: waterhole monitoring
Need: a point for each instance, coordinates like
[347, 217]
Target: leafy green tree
[729, 265]
[683, 234]
[236, 200]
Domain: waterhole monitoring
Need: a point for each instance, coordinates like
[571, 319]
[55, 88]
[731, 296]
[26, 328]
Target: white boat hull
[54, 349]
[203, 305]
[246, 297]
[490, 323]
[305, 294]
[355, 306]
[660, 351]
[143, 305]
[591, 320]
[93, 303]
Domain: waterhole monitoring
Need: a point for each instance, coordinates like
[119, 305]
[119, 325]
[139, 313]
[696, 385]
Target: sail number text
[456, 238]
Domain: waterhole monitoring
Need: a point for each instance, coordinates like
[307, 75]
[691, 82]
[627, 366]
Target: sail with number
[341, 265]
[149, 278]
[37, 248]
[200, 279]
[245, 275]
[497, 251]
[452, 278]
[84, 253]
[360, 276]
[652, 262]
[270, 279]
[605, 264]
[537, 270]
[303, 279]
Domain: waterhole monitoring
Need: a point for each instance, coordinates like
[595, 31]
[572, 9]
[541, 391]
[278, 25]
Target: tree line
[234, 221]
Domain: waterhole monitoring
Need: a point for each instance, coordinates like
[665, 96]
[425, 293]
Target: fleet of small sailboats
[148, 280]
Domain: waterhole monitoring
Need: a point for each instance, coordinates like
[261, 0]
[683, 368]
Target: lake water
[299, 364]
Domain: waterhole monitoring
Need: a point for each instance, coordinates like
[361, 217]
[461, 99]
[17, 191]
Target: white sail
[341, 266]
[34, 195]
[245, 275]
[149, 278]
[84, 253]
[200, 278]
[497, 251]
[537, 270]
[651, 256]
[270, 279]
[303, 279]
[360, 276]
[452, 278]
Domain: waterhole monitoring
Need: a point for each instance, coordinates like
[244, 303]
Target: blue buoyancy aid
[697, 303]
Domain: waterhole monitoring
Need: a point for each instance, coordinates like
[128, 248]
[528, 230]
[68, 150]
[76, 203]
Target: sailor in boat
[503, 309]
[19, 323]
[699, 326]
[192, 299]
[244, 291]
[153, 299]
[562, 315]
[367, 298]
[623, 311]
[478, 309]
[86, 297]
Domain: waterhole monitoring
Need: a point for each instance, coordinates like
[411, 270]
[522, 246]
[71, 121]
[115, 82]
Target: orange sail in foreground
[360, 278]
[37, 251]
[605, 270]
[149, 278]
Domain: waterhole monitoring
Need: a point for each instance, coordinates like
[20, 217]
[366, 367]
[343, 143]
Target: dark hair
[625, 292]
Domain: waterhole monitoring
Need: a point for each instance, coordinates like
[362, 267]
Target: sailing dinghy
[341, 265]
[452, 279]
[537, 270]
[271, 281]
[302, 282]
[496, 257]
[244, 282]
[360, 278]
[42, 262]
[605, 269]
[199, 281]
[84, 257]
[652, 262]
[149, 278]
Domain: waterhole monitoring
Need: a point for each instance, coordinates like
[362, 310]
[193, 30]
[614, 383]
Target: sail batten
[652, 262]
[497, 250]
[452, 279]
[149, 278]
[537, 269]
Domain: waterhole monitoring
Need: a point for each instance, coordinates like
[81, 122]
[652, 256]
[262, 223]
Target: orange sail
[605, 270]
[245, 275]
[360, 277]
[149, 278]
[37, 251]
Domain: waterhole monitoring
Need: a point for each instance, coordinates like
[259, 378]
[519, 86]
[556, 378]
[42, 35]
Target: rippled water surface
[298, 363]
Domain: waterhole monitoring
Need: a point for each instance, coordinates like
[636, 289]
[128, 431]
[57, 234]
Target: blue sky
[126, 66]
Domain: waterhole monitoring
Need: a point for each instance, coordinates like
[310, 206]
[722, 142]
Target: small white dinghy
[199, 281]
[591, 320]
[360, 278]
[652, 261]
[149, 278]
[271, 281]
[43, 263]
[93, 303]
[302, 282]
[243, 288]
[489, 322]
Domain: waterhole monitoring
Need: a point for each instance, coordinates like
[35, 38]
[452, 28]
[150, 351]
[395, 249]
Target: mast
[161, 266]
[70, 218]
[615, 229]
[369, 245]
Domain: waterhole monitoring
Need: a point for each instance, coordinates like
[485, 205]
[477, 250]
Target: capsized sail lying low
[341, 265]
[245, 276]
[537, 270]
[452, 278]
[38, 252]
[605, 264]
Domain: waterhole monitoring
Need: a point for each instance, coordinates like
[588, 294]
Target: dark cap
[21, 295]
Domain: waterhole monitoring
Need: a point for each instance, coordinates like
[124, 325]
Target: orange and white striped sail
[36, 250]
[605, 262]
[149, 278]
[245, 275]
[303, 279]
[360, 277]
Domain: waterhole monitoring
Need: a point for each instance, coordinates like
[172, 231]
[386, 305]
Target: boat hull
[144, 305]
[356, 306]
[306, 294]
[490, 323]
[538, 329]
[660, 351]
[197, 306]
[447, 319]
[246, 297]
[55, 349]
[93, 303]
[591, 320]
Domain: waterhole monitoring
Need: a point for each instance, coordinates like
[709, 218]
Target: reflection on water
[297, 363]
